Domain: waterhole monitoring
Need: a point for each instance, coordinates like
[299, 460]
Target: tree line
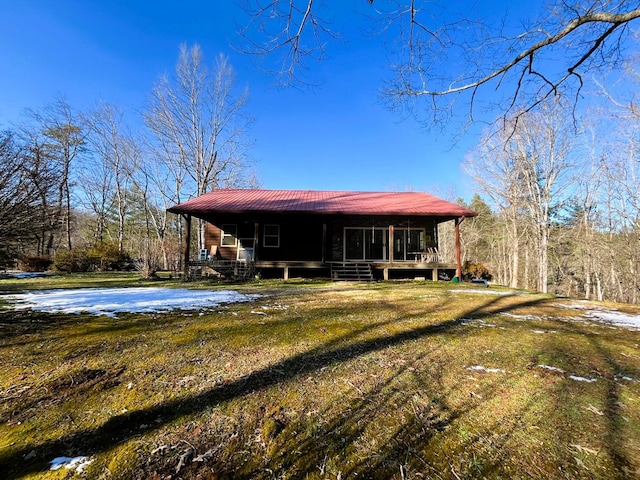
[85, 189]
[558, 202]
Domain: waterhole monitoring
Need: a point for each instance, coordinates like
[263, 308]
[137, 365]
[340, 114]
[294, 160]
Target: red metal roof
[321, 202]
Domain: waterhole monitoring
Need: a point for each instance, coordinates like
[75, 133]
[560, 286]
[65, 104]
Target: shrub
[108, 256]
[36, 263]
[100, 257]
[74, 260]
[475, 270]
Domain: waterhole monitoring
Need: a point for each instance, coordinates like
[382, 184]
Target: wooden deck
[359, 271]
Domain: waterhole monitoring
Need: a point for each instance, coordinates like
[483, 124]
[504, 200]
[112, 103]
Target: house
[344, 235]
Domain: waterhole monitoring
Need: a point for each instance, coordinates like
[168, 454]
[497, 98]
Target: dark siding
[301, 236]
[300, 239]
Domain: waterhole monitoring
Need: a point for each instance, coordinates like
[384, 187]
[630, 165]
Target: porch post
[458, 257]
[324, 241]
[187, 244]
[390, 243]
[256, 231]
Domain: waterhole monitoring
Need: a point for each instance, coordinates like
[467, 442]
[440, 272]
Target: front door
[408, 244]
[369, 244]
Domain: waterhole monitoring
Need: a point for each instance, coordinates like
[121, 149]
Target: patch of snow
[553, 369]
[111, 301]
[572, 377]
[592, 312]
[76, 463]
[582, 379]
[485, 291]
[23, 274]
[614, 317]
[480, 368]
[523, 317]
[275, 306]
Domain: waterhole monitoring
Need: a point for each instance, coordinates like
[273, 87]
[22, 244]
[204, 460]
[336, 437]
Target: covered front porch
[339, 235]
[335, 270]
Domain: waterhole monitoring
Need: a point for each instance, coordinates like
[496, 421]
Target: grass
[333, 380]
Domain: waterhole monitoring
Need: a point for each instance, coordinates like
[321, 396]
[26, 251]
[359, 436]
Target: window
[271, 237]
[415, 240]
[228, 235]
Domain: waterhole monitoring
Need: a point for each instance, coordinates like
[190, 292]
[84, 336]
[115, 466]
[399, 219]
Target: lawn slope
[323, 380]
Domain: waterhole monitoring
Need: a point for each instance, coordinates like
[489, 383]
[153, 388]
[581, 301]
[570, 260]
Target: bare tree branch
[290, 30]
[508, 66]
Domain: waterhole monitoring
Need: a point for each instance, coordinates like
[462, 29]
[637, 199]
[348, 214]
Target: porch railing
[221, 268]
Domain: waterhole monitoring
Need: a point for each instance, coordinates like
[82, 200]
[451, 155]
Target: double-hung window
[271, 237]
[229, 235]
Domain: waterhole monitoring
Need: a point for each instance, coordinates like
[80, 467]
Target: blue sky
[335, 137]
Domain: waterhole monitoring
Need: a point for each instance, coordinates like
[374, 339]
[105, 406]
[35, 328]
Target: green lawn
[311, 380]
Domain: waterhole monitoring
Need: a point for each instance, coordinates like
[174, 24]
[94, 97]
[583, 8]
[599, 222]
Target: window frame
[266, 235]
[224, 233]
[365, 234]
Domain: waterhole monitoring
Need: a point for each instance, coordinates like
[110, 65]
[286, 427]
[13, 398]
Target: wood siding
[301, 236]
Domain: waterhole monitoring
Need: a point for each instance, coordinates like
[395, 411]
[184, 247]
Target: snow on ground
[588, 310]
[582, 379]
[76, 463]
[480, 368]
[596, 313]
[615, 318]
[22, 274]
[111, 301]
[485, 291]
[562, 372]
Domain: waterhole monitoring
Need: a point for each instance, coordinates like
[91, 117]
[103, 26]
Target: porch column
[390, 243]
[187, 244]
[256, 237]
[324, 242]
[458, 258]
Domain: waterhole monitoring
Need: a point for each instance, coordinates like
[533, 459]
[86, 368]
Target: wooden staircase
[354, 272]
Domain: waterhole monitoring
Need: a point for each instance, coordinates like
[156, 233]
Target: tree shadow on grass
[126, 426]
[366, 430]
[594, 361]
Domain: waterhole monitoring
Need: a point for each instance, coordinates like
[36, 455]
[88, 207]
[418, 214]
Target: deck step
[348, 271]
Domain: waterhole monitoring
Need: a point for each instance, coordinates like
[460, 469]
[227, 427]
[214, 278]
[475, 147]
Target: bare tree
[441, 56]
[525, 168]
[44, 177]
[57, 140]
[108, 181]
[54, 139]
[622, 177]
[542, 143]
[495, 171]
[198, 123]
[19, 199]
